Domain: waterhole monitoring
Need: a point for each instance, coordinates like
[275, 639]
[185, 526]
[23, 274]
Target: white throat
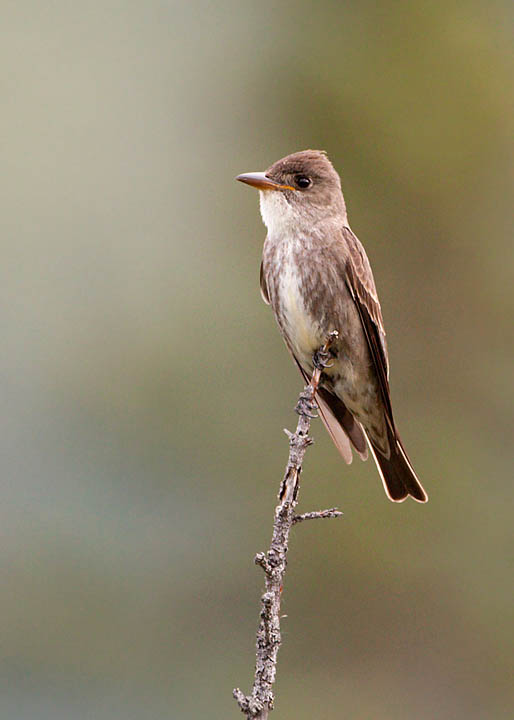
[277, 214]
[297, 219]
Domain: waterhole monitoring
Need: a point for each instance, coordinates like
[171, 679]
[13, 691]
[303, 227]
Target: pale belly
[302, 331]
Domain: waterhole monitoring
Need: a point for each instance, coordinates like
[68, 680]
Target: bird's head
[300, 189]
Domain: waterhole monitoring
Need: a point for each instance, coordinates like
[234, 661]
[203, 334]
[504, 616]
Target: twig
[259, 704]
[317, 515]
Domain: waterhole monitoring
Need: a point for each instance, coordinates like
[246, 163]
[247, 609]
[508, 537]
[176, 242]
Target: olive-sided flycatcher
[317, 278]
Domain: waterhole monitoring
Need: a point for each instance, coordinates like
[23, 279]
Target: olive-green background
[145, 387]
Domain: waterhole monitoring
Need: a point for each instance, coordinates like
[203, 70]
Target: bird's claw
[321, 358]
[306, 406]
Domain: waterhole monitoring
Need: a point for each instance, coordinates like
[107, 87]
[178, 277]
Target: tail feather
[335, 429]
[397, 472]
[348, 423]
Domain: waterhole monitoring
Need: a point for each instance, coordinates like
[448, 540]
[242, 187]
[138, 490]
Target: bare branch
[317, 515]
[259, 704]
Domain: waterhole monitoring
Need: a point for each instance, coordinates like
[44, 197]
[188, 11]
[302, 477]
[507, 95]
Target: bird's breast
[288, 272]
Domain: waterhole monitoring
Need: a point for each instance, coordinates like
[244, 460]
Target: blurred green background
[145, 386]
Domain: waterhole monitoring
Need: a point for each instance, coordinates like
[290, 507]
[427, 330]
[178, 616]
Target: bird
[317, 278]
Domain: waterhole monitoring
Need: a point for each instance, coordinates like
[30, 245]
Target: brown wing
[396, 469]
[359, 279]
[264, 287]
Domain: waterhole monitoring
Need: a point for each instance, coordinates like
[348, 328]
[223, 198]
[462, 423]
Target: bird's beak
[260, 181]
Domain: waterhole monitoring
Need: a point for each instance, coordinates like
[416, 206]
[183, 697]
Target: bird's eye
[303, 182]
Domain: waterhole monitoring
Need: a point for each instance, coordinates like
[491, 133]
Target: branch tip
[317, 515]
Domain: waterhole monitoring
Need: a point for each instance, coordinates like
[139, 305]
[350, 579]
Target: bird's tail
[397, 472]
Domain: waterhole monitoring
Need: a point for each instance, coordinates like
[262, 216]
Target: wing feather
[264, 287]
[338, 421]
[359, 279]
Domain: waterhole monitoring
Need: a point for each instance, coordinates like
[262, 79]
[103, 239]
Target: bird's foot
[321, 358]
[306, 405]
